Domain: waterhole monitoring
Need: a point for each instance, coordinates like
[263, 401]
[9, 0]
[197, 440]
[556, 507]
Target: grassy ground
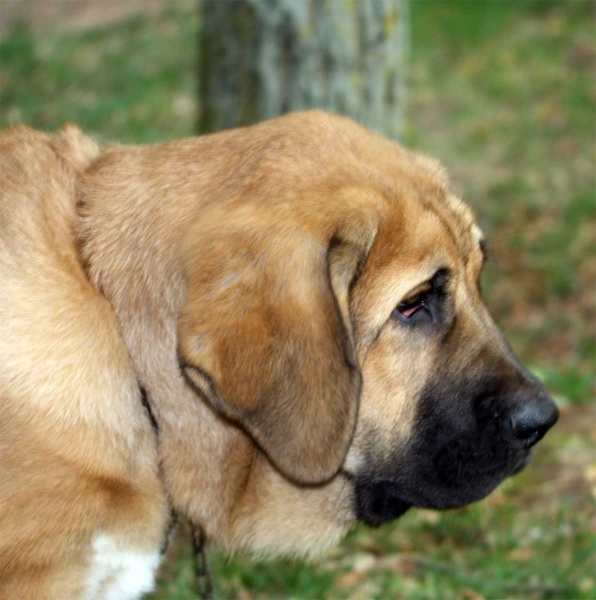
[504, 93]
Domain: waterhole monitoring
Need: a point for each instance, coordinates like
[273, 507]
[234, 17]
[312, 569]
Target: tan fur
[77, 454]
[307, 229]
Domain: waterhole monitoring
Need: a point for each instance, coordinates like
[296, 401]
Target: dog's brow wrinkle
[455, 215]
[428, 206]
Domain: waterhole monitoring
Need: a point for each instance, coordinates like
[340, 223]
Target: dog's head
[333, 311]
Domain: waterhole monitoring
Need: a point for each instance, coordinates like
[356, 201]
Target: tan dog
[300, 301]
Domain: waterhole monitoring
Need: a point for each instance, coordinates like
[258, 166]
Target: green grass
[504, 94]
[131, 82]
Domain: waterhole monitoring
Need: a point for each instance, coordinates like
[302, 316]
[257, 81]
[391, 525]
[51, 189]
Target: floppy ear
[265, 331]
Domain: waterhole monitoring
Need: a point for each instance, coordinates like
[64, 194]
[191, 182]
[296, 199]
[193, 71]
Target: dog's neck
[133, 214]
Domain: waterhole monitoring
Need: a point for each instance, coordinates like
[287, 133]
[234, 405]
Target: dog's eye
[425, 302]
[407, 309]
[415, 302]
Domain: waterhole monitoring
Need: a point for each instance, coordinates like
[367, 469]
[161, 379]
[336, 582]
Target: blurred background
[504, 93]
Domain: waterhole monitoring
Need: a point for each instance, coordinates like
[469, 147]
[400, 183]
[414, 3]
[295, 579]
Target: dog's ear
[265, 331]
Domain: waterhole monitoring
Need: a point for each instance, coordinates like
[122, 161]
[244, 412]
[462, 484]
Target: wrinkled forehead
[458, 222]
[424, 230]
[419, 188]
[424, 217]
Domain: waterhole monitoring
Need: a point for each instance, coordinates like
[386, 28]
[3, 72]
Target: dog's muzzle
[459, 454]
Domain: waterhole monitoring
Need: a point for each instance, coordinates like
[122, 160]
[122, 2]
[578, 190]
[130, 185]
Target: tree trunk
[263, 58]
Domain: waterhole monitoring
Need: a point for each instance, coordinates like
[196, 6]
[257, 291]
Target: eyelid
[393, 288]
[419, 290]
[438, 280]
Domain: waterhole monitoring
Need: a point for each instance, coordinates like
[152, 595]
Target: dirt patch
[73, 15]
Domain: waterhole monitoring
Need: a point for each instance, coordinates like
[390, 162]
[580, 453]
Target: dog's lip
[378, 502]
[523, 463]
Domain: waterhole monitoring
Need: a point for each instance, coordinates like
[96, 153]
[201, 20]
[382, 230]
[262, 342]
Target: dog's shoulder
[75, 442]
[38, 175]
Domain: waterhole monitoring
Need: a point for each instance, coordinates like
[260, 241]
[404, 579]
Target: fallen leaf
[521, 554]
[469, 594]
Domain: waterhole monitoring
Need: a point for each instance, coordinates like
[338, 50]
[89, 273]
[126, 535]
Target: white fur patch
[118, 571]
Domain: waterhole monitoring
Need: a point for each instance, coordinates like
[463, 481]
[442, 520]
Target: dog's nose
[532, 418]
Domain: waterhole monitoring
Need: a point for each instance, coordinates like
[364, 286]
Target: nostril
[534, 437]
[533, 420]
[528, 431]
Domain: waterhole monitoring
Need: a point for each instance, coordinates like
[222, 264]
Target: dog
[275, 330]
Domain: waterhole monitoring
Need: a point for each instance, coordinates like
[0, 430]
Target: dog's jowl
[298, 302]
